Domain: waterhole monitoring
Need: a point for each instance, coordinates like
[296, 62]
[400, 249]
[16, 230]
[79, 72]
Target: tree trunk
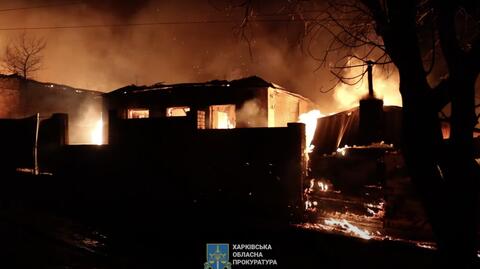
[462, 170]
[421, 148]
[431, 165]
[459, 163]
[444, 175]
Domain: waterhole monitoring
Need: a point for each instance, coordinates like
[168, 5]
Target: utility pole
[371, 113]
[371, 94]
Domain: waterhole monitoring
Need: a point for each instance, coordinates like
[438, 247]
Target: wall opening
[200, 119]
[138, 113]
[222, 117]
[178, 111]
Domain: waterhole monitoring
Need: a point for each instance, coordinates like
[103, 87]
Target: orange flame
[349, 228]
[386, 87]
[97, 133]
[310, 121]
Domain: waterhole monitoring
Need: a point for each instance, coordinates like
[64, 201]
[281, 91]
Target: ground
[40, 231]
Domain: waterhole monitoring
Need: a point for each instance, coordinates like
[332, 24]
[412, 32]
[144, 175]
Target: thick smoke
[111, 57]
[251, 114]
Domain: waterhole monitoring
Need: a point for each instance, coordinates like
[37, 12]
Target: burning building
[243, 103]
[357, 182]
[20, 98]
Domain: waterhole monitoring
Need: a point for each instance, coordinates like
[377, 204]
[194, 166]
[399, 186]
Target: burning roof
[46, 85]
[248, 82]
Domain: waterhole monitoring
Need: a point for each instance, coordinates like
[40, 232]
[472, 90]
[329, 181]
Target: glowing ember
[380, 205]
[97, 133]
[379, 145]
[308, 204]
[343, 150]
[310, 121]
[427, 245]
[349, 228]
[312, 186]
[323, 186]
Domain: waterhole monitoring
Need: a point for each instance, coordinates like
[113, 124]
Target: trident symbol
[217, 258]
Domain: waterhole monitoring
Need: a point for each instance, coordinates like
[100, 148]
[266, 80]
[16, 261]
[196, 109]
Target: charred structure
[243, 103]
[21, 98]
[161, 152]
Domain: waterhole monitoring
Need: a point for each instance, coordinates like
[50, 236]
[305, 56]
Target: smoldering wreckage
[241, 153]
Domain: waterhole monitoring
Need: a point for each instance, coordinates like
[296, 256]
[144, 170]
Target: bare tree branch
[24, 55]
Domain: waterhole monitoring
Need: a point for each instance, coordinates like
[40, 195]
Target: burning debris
[380, 145]
[331, 205]
[333, 212]
[323, 186]
[347, 191]
[340, 226]
[349, 228]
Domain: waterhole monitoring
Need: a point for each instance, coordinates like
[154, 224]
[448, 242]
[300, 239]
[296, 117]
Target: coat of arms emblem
[217, 257]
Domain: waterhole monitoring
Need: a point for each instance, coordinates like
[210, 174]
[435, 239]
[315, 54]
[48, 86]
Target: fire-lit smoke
[251, 114]
[310, 120]
[385, 87]
[86, 126]
[106, 58]
[97, 132]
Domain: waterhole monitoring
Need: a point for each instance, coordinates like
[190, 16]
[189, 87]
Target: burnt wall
[143, 132]
[216, 176]
[9, 97]
[9, 102]
[48, 99]
[21, 98]
[250, 102]
[336, 131]
[83, 107]
[18, 139]
[344, 128]
[283, 108]
[52, 136]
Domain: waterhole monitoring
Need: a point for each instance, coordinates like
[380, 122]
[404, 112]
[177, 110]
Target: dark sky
[106, 58]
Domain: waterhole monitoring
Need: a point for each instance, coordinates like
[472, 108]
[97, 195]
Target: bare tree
[23, 56]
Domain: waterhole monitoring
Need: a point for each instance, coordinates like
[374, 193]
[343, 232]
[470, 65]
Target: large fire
[385, 87]
[97, 132]
[310, 121]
